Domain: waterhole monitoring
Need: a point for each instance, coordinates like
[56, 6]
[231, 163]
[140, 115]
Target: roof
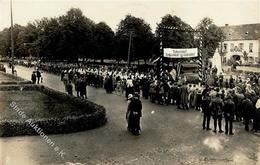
[242, 32]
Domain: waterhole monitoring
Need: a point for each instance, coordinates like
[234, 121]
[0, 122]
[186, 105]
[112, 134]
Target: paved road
[169, 137]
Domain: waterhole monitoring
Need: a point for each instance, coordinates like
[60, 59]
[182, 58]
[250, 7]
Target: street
[169, 136]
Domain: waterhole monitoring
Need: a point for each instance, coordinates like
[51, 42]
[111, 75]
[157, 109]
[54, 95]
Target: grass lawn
[4, 78]
[35, 105]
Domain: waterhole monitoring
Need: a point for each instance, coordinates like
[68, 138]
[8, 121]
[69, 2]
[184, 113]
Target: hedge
[94, 117]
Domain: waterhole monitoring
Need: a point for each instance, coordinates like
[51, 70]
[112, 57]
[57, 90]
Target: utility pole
[129, 48]
[12, 36]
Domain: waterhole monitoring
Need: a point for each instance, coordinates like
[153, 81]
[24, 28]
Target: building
[242, 43]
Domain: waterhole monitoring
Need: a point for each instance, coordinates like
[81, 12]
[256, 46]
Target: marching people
[134, 113]
[164, 90]
[229, 111]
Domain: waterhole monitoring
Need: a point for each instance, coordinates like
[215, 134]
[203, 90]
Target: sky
[232, 12]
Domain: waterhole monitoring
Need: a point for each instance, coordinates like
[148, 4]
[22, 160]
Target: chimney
[226, 24]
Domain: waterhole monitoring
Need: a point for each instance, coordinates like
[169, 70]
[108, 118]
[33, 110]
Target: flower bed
[78, 116]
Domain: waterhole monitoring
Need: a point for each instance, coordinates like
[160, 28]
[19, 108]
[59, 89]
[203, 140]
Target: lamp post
[12, 36]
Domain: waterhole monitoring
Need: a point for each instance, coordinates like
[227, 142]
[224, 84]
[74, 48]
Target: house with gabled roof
[242, 43]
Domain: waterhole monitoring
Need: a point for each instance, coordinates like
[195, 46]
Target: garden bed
[52, 111]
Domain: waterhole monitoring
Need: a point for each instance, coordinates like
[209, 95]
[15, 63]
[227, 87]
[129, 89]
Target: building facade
[241, 43]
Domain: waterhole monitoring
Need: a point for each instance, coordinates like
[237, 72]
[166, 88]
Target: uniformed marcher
[229, 111]
[134, 113]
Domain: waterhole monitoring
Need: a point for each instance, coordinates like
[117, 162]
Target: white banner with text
[180, 53]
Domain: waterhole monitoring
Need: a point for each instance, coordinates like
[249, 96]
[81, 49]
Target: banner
[180, 53]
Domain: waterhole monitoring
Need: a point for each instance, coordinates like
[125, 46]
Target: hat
[130, 96]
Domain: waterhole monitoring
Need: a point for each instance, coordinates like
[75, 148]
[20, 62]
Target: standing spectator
[38, 73]
[231, 82]
[83, 88]
[248, 110]
[69, 88]
[256, 121]
[33, 77]
[221, 80]
[184, 96]
[206, 112]
[229, 111]
[217, 107]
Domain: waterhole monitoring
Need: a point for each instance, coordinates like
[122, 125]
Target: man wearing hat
[134, 113]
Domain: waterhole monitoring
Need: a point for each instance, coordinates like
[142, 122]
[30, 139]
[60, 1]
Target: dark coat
[217, 106]
[247, 108]
[38, 73]
[205, 106]
[135, 108]
[229, 108]
[33, 78]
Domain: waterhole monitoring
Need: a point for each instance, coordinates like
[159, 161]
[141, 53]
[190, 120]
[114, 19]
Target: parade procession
[130, 82]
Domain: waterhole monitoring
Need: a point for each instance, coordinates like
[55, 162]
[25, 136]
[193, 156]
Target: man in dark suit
[248, 110]
[206, 111]
[38, 74]
[229, 111]
[217, 107]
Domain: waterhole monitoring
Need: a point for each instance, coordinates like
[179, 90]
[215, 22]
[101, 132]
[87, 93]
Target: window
[225, 47]
[232, 47]
[241, 46]
[250, 47]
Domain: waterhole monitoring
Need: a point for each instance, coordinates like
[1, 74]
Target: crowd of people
[233, 98]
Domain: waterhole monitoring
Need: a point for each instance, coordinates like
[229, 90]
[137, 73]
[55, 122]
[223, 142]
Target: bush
[94, 115]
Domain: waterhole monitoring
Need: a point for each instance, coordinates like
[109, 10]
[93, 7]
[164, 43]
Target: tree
[182, 37]
[77, 35]
[142, 38]
[104, 39]
[211, 36]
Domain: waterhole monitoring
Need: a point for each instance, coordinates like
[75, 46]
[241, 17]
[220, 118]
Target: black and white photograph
[129, 82]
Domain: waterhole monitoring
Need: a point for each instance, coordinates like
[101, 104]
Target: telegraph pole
[129, 47]
[12, 36]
